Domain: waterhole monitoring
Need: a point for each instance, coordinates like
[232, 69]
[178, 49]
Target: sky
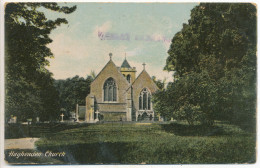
[141, 32]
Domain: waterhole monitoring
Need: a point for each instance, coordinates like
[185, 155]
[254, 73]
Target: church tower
[128, 71]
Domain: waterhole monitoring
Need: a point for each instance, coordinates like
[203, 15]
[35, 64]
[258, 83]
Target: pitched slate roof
[125, 64]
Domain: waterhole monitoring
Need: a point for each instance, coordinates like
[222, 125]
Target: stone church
[117, 95]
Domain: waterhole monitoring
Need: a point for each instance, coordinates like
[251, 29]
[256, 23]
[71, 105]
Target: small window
[128, 78]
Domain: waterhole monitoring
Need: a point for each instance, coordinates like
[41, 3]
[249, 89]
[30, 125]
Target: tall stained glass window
[145, 100]
[110, 90]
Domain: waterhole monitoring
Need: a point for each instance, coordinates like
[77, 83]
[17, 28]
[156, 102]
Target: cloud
[160, 37]
[135, 52]
[102, 28]
[78, 56]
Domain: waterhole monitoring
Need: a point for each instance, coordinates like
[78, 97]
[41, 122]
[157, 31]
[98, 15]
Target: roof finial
[110, 55]
[125, 55]
[144, 65]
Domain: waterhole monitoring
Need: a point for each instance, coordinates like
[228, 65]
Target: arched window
[145, 100]
[110, 90]
[128, 78]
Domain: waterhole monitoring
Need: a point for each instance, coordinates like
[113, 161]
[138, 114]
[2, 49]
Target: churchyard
[60, 108]
[136, 143]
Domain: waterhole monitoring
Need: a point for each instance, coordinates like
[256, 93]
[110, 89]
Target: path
[26, 145]
[21, 143]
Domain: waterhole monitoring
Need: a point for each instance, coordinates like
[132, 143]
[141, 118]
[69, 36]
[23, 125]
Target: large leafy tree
[214, 59]
[29, 85]
[73, 91]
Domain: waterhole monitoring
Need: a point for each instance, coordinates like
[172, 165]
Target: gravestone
[62, 115]
[97, 119]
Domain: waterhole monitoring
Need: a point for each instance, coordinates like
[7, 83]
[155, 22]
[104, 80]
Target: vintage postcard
[89, 83]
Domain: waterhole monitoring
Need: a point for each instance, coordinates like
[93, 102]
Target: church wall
[127, 102]
[109, 109]
[110, 71]
[112, 107]
[143, 81]
[89, 107]
[114, 116]
[129, 105]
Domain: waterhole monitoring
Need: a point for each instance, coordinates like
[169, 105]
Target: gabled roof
[142, 74]
[111, 63]
[125, 64]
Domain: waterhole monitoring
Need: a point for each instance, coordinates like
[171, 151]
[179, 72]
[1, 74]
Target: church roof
[144, 76]
[125, 64]
[110, 65]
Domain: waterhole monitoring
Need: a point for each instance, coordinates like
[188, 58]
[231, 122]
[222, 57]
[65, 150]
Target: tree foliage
[29, 85]
[214, 59]
[73, 91]
[160, 83]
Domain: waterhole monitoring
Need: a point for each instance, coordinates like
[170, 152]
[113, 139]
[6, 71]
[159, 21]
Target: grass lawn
[146, 143]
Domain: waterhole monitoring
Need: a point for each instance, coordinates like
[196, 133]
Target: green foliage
[152, 144]
[191, 98]
[39, 130]
[189, 112]
[214, 59]
[73, 91]
[163, 104]
[29, 85]
[160, 83]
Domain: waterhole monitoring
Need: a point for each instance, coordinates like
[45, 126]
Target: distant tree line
[72, 91]
[214, 60]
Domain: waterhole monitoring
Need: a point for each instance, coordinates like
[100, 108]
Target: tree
[29, 85]
[73, 91]
[218, 48]
[92, 74]
[190, 98]
[160, 83]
